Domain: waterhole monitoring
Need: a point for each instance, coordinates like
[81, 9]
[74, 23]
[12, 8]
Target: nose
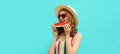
[60, 19]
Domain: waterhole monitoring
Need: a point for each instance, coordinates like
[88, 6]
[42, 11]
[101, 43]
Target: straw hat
[70, 9]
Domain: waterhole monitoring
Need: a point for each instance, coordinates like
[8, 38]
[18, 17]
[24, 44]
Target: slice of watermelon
[60, 24]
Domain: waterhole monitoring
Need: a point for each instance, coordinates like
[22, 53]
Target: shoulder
[78, 36]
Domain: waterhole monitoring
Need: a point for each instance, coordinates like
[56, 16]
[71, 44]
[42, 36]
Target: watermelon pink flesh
[60, 23]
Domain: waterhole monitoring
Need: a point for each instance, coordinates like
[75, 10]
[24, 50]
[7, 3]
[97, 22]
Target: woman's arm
[55, 33]
[76, 42]
[51, 50]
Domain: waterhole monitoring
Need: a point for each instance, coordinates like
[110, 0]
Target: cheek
[66, 19]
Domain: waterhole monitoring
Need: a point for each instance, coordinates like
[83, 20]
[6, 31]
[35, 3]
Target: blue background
[25, 25]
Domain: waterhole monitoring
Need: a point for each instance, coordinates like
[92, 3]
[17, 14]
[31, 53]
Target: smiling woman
[66, 38]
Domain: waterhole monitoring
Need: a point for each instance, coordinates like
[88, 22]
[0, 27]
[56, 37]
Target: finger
[52, 27]
[64, 27]
[53, 31]
[69, 26]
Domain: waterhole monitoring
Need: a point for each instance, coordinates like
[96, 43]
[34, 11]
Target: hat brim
[70, 9]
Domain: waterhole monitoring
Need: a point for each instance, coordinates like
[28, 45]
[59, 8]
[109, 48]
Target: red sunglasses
[62, 15]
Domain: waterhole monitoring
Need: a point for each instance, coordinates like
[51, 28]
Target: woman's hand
[67, 29]
[55, 32]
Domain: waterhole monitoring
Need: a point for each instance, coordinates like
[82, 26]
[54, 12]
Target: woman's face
[63, 16]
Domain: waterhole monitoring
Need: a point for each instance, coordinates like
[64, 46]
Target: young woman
[66, 38]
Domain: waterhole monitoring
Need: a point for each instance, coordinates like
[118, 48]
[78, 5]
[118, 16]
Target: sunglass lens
[63, 15]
